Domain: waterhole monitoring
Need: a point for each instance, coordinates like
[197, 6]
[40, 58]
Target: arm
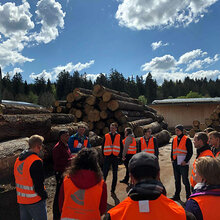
[61, 198]
[103, 142]
[156, 148]
[189, 150]
[70, 144]
[121, 148]
[193, 207]
[37, 175]
[128, 141]
[88, 145]
[139, 146]
[103, 201]
[171, 155]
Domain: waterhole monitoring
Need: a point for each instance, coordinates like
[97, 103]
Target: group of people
[81, 190]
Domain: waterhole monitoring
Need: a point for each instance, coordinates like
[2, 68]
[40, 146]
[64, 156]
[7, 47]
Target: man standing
[129, 150]
[61, 160]
[29, 179]
[79, 140]
[203, 150]
[214, 138]
[112, 148]
[181, 154]
[148, 143]
[146, 200]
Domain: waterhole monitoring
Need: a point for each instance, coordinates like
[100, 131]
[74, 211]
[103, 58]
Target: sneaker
[175, 198]
[124, 181]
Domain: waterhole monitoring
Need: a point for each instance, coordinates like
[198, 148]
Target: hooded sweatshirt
[37, 174]
[85, 179]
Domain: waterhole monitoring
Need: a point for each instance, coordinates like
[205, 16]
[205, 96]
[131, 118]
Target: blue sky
[170, 39]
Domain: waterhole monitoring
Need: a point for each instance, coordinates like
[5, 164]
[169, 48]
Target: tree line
[45, 92]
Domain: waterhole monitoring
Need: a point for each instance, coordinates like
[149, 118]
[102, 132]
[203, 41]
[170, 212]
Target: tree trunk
[83, 90]
[103, 114]
[148, 108]
[60, 103]
[88, 108]
[61, 118]
[80, 96]
[192, 133]
[100, 125]
[91, 100]
[208, 122]
[140, 122]
[78, 113]
[94, 139]
[155, 127]
[163, 137]
[196, 124]
[14, 126]
[105, 130]
[70, 97]
[113, 105]
[69, 105]
[103, 105]
[94, 115]
[91, 125]
[130, 119]
[18, 109]
[202, 126]
[121, 113]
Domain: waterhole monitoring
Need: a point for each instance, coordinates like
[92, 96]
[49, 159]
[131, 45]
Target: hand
[183, 163]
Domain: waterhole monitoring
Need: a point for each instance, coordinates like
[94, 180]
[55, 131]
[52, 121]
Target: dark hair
[216, 134]
[129, 130]
[209, 130]
[144, 172]
[202, 136]
[86, 159]
[114, 124]
[147, 129]
[64, 131]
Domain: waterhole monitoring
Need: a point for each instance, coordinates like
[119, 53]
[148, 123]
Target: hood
[25, 154]
[85, 179]
[147, 190]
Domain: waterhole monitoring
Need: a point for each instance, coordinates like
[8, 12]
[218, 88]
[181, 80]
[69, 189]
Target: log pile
[212, 122]
[102, 106]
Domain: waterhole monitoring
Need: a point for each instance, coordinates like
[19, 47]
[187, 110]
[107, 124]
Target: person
[112, 148]
[83, 194]
[79, 140]
[61, 160]
[148, 143]
[146, 200]
[29, 179]
[203, 150]
[204, 202]
[128, 151]
[181, 153]
[214, 138]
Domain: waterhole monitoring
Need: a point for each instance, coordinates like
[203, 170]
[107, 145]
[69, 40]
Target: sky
[170, 39]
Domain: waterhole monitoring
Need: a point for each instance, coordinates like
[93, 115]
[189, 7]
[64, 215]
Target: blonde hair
[209, 169]
[34, 140]
[216, 134]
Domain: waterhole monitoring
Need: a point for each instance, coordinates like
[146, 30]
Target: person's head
[179, 130]
[36, 143]
[200, 139]
[113, 127]
[147, 132]
[208, 170]
[64, 136]
[81, 129]
[143, 166]
[128, 131]
[208, 130]
[86, 159]
[214, 139]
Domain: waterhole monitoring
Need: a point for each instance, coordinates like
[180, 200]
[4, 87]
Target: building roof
[186, 101]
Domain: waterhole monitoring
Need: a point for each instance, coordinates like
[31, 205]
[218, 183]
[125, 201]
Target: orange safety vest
[161, 208]
[209, 206]
[147, 148]
[24, 183]
[81, 204]
[206, 153]
[112, 148]
[132, 147]
[179, 149]
[217, 155]
[76, 142]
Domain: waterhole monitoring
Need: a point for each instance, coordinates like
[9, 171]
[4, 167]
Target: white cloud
[92, 77]
[156, 45]
[68, 67]
[189, 56]
[15, 70]
[148, 14]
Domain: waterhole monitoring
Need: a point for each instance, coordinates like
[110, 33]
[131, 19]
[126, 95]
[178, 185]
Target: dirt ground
[166, 175]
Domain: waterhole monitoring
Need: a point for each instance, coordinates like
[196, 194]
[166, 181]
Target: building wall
[184, 114]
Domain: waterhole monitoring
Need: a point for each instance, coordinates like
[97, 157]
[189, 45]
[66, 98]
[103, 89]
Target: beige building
[185, 111]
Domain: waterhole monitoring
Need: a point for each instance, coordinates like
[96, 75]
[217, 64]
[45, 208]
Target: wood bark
[149, 114]
[61, 118]
[208, 122]
[134, 124]
[94, 115]
[202, 126]
[121, 113]
[129, 119]
[91, 100]
[83, 90]
[113, 105]
[148, 108]
[102, 105]
[155, 127]
[196, 123]
[70, 97]
[14, 126]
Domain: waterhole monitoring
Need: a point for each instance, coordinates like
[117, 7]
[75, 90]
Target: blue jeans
[36, 211]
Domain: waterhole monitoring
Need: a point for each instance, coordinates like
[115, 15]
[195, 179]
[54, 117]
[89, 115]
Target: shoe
[113, 193]
[175, 198]
[124, 181]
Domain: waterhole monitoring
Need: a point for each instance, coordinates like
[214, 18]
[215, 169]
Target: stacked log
[212, 122]
[102, 106]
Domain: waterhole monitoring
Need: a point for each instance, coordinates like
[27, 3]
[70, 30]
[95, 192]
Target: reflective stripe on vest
[81, 204]
[160, 208]
[206, 153]
[179, 150]
[208, 205]
[76, 142]
[112, 148]
[147, 148]
[132, 149]
[24, 183]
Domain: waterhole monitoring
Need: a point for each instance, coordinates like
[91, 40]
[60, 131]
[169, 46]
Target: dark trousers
[126, 162]
[108, 161]
[183, 171]
[56, 211]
